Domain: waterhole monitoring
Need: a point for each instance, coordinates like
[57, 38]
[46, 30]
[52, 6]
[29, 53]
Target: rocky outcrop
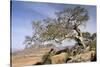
[84, 57]
[60, 58]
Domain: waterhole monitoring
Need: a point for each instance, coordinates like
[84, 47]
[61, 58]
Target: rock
[83, 57]
[60, 58]
[87, 49]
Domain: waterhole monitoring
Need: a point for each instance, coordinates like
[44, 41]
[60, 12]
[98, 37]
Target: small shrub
[93, 45]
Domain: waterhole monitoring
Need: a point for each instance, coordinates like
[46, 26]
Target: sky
[23, 13]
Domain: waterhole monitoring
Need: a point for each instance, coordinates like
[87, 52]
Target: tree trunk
[79, 37]
[48, 55]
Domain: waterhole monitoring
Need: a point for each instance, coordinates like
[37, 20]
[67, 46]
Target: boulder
[59, 58]
[84, 57]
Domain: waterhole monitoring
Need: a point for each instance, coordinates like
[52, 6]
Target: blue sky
[23, 13]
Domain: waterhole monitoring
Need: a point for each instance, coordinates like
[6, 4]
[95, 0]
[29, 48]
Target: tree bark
[46, 58]
[79, 37]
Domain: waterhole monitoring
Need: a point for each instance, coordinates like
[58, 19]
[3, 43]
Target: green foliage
[93, 36]
[93, 45]
[54, 31]
[62, 26]
[28, 41]
[86, 35]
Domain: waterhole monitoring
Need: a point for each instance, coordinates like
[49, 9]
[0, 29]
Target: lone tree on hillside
[65, 25]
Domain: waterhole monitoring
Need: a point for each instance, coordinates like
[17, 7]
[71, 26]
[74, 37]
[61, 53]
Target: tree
[93, 37]
[66, 25]
[28, 41]
[86, 35]
[86, 38]
[34, 39]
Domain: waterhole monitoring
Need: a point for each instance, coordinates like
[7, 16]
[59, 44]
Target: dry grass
[28, 57]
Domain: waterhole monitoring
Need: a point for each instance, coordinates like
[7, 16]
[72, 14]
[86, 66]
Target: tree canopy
[65, 25]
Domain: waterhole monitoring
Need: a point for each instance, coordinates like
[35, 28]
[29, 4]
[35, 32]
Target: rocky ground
[40, 56]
